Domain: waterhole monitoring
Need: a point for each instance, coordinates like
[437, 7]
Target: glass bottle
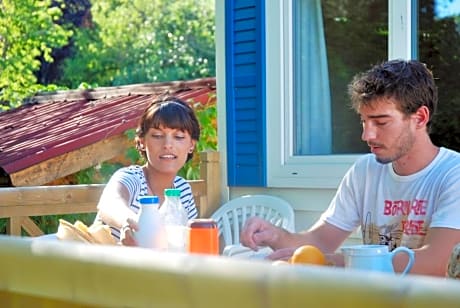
[175, 218]
[152, 232]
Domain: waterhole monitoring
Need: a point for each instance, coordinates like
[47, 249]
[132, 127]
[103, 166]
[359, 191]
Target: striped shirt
[133, 178]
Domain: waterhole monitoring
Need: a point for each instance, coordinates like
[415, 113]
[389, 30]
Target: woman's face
[166, 148]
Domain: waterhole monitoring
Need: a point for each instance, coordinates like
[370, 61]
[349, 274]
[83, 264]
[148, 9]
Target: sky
[446, 8]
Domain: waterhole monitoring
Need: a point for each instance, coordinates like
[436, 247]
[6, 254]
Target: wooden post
[13, 226]
[210, 170]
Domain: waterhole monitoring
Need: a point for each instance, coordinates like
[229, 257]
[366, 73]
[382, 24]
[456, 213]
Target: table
[55, 272]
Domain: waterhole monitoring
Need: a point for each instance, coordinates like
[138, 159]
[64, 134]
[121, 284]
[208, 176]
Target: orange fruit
[308, 254]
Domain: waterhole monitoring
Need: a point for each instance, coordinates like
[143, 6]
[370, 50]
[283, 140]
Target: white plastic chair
[231, 217]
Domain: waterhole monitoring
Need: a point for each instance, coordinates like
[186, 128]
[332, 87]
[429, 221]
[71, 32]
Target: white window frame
[313, 171]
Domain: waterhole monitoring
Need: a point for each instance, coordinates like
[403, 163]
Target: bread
[67, 231]
[81, 226]
[95, 234]
[101, 234]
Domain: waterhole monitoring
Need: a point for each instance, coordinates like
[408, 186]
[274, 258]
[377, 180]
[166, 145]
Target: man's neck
[418, 158]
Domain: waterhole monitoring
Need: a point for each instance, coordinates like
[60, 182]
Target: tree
[29, 31]
[439, 40]
[143, 41]
[75, 14]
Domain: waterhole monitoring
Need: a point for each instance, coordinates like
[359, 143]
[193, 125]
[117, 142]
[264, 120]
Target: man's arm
[322, 235]
[433, 256]
[259, 232]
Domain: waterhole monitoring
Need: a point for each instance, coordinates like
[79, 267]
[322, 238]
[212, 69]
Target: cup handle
[410, 253]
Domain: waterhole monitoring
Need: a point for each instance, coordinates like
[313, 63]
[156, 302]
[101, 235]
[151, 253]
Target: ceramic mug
[375, 257]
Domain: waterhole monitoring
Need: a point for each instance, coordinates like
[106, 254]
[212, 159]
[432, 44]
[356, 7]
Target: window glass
[333, 40]
[439, 45]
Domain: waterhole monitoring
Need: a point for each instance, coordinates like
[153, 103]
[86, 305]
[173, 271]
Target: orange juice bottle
[203, 236]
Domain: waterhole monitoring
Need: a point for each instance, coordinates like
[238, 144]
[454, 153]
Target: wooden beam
[50, 195]
[63, 199]
[48, 209]
[210, 170]
[30, 227]
[71, 162]
[158, 88]
[199, 193]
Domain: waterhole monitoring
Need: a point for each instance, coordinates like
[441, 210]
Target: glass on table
[203, 236]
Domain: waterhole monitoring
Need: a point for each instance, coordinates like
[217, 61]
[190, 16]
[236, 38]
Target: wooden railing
[17, 204]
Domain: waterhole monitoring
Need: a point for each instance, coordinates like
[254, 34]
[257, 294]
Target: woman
[166, 137]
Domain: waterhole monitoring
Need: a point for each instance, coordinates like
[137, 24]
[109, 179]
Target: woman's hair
[170, 112]
[409, 82]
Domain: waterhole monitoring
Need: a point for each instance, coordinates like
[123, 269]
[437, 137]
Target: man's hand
[282, 254]
[259, 232]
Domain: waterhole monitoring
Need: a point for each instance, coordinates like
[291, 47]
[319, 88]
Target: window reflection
[439, 45]
[356, 35]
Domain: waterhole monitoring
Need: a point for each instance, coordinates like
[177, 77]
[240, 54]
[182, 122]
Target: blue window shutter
[245, 92]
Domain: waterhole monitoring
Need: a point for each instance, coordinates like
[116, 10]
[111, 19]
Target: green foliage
[133, 155]
[207, 116]
[29, 31]
[439, 41]
[162, 40]
[49, 223]
[3, 222]
[99, 174]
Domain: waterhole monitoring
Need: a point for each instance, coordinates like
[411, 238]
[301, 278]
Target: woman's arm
[113, 207]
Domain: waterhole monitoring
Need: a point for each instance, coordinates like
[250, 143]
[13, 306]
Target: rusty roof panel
[50, 125]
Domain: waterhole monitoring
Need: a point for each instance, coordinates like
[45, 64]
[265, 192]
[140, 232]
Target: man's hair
[410, 83]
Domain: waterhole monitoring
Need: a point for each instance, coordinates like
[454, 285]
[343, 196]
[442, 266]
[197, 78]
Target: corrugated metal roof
[53, 124]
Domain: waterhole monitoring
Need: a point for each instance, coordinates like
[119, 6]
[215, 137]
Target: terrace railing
[18, 204]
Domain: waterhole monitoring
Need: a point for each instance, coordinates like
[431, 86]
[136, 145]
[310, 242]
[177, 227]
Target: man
[406, 193]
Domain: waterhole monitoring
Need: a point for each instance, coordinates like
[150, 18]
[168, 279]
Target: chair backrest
[231, 216]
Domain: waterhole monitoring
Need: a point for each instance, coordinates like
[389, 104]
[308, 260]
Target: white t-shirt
[397, 210]
[133, 178]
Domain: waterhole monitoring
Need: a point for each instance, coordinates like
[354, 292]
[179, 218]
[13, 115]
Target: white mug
[375, 257]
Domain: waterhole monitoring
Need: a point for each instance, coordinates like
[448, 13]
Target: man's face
[389, 133]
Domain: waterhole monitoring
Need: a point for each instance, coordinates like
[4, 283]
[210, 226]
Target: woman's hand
[127, 233]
